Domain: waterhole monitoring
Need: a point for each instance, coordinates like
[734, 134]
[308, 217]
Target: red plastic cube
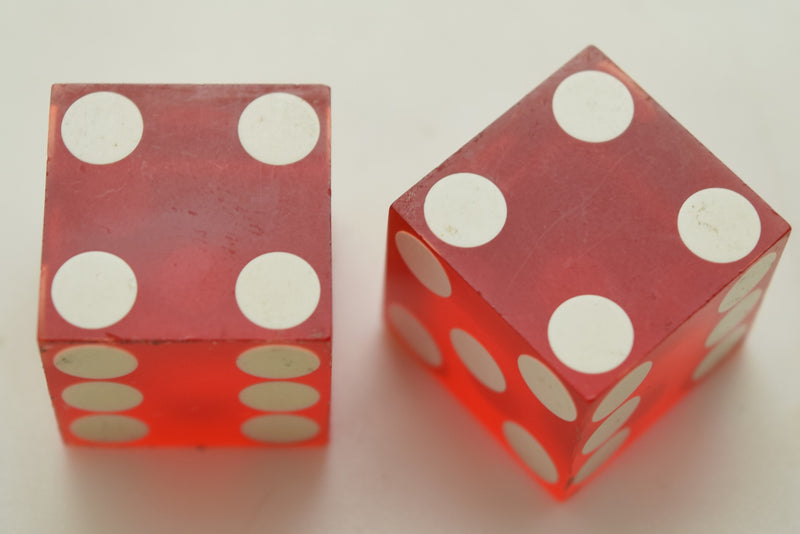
[186, 264]
[576, 268]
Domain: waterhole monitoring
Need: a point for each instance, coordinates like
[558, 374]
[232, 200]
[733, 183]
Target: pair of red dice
[568, 274]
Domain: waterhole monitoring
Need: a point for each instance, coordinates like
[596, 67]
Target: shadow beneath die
[188, 490]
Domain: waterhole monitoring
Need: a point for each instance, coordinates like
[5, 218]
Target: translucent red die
[576, 268]
[186, 276]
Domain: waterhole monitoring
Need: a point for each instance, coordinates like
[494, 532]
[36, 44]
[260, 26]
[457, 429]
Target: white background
[411, 83]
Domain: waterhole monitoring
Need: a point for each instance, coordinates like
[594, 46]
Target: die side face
[601, 256]
[187, 230]
[191, 393]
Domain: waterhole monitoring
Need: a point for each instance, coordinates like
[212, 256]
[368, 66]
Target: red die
[576, 268]
[186, 277]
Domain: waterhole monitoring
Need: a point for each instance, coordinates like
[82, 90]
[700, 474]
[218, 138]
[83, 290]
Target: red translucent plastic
[583, 218]
[190, 392]
[187, 210]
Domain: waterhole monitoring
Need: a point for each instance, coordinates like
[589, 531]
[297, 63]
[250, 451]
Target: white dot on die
[719, 225]
[718, 353]
[733, 317]
[547, 387]
[277, 290]
[94, 289]
[593, 106]
[278, 361]
[530, 451]
[747, 282]
[101, 128]
[590, 334]
[95, 361]
[465, 210]
[280, 428]
[279, 128]
[102, 396]
[414, 333]
[603, 453]
[109, 428]
[477, 360]
[621, 391]
[279, 396]
[423, 264]
[611, 425]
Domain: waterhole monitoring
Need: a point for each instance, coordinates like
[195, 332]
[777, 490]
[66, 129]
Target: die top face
[590, 220]
[178, 212]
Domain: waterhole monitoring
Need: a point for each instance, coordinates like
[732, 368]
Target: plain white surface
[411, 83]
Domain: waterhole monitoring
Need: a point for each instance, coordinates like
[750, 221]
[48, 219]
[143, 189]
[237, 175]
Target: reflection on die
[576, 268]
[186, 278]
